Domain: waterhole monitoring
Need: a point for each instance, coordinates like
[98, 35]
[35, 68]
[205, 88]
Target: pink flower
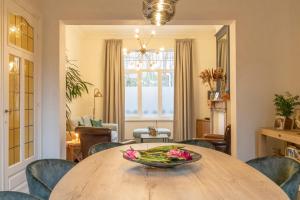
[131, 154]
[179, 154]
[186, 155]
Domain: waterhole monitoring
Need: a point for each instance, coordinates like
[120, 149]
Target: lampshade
[97, 93]
[159, 12]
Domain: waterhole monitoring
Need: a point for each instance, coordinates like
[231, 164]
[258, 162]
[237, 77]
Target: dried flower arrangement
[212, 76]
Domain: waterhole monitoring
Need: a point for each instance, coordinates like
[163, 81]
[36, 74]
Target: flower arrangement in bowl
[162, 156]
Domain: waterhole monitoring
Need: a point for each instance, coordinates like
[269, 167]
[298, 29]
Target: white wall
[89, 56]
[266, 61]
[87, 47]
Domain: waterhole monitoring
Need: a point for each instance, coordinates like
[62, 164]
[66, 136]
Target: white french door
[20, 95]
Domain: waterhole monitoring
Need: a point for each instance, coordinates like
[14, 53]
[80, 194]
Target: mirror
[223, 58]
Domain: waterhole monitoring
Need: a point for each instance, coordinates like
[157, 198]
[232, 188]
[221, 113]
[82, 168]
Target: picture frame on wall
[297, 119]
[292, 152]
[279, 122]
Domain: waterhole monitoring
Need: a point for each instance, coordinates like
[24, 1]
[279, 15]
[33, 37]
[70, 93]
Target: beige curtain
[184, 91]
[114, 85]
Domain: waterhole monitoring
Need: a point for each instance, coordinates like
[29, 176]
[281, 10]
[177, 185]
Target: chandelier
[159, 12]
[143, 42]
[143, 51]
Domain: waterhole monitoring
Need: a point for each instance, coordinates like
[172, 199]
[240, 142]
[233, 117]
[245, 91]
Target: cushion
[87, 121]
[76, 122]
[96, 123]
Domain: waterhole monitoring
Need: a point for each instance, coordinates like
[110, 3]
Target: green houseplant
[285, 106]
[75, 87]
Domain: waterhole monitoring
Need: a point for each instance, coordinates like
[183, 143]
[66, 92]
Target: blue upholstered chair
[199, 143]
[284, 171]
[102, 146]
[43, 175]
[8, 195]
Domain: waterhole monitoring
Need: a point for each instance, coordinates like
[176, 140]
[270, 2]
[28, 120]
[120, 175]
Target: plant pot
[283, 123]
[288, 123]
[211, 95]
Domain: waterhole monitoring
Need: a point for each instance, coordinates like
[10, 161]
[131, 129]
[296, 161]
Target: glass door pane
[21, 33]
[29, 109]
[14, 109]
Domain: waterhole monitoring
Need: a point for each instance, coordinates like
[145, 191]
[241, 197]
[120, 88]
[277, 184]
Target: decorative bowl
[168, 162]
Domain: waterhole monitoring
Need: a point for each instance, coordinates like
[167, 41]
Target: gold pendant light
[159, 12]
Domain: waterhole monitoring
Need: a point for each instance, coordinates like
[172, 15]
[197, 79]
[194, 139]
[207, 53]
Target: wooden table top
[107, 176]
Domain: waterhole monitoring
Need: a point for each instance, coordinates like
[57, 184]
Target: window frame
[140, 116]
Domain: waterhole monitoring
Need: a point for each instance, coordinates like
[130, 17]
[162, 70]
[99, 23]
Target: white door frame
[1, 98]
[14, 176]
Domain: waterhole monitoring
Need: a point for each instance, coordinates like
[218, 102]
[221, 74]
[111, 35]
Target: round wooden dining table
[107, 176]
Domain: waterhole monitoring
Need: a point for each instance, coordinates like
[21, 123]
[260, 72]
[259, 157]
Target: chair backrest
[199, 143]
[90, 136]
[9, 195]
[277, 168]
[43, 175]
[102, 146]
[227, 138]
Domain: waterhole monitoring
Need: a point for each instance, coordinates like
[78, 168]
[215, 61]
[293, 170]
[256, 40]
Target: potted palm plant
[285, 106]
[75, 87]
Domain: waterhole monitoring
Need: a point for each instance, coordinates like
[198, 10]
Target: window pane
[149, 94]
[14, 109]
[131, 94]
[168, 93]
[21, 33]
[29, 108]
[12, 29]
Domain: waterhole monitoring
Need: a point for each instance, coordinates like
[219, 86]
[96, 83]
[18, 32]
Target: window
[20, 33]
[149, 84]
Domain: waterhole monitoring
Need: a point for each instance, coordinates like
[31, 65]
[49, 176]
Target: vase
[288, 123]
[211, 95]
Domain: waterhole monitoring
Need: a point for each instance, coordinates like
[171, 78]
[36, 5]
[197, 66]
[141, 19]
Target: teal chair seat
[43, 175]
[102, 146]
[284, 171]
[199, 143]
[8, 195]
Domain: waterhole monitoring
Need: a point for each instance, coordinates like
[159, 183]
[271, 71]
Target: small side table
[163, 136]
[73, 150]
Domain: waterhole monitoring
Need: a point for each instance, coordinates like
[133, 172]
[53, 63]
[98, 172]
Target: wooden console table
[292, 136]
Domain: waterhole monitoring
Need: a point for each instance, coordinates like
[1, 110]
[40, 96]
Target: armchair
[90, 136]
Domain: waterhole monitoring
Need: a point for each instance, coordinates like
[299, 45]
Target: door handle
[6, 111]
